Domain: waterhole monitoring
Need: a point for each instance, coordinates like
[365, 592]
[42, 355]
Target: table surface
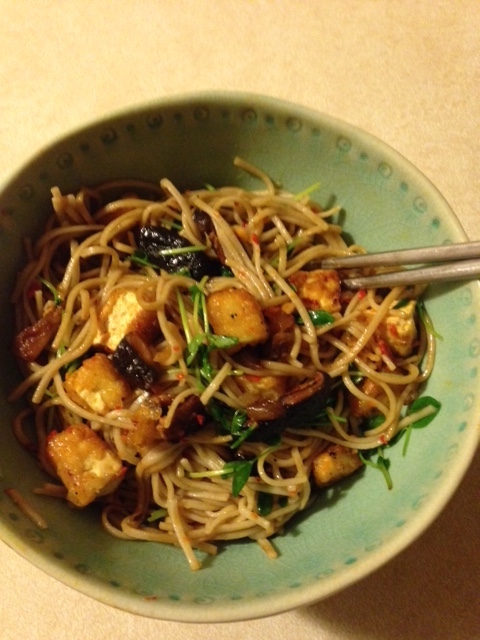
[407, 71]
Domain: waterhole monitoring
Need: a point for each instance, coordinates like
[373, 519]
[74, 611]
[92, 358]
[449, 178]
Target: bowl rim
[306, 595]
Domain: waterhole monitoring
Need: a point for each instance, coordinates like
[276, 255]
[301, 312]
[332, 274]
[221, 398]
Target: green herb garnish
[319, 318]
[427, 321]
[203, 342]
[382, 463]
[238, 470]
[158, 514]
[226, 272]
[232, 421]
[140, 258]
[308, 191]
[265, 503]
[420, 403]
[57, 300]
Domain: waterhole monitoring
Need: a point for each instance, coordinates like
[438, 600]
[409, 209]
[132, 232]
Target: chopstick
[462, 263]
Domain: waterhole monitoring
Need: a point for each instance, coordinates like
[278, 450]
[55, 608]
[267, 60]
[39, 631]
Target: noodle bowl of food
[201, 421]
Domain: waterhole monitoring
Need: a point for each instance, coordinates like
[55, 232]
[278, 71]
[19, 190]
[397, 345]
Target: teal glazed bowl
[386, 203]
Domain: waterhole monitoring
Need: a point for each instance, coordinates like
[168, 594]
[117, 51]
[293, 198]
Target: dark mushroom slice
[31, 341]
[300, 407]
[155, 243]
[127, 361]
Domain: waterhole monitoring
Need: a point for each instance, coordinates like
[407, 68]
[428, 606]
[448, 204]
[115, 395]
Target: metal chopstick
[456, 271]
[461, 262]
[444, 253]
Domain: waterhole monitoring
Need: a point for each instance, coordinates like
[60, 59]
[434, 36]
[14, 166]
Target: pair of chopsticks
[451, 263]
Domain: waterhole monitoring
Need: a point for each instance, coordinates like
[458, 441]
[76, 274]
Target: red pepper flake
[255, 239]
[252, 378]
[180, 376]
[382, 440]
[200, 419]
[384, 350]
[361, 294]
[393, 331]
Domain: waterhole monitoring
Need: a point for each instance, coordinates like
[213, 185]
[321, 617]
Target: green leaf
[220, 342]
[419, 404]
[226, 272]
[422, 403]
[193, 347]
[240, 471]
[401, 303]
[231, 420]
[265, 503]
[206, 370]
[319, 318]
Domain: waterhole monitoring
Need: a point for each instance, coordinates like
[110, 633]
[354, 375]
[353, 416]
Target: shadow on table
[431, 590]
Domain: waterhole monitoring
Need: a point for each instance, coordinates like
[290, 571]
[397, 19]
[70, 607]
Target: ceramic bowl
[386, 203]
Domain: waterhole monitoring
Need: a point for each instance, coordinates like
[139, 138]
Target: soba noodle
[211, 482]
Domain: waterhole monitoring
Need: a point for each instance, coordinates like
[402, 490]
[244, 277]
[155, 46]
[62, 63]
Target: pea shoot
[57, 300]
[319, 318]
[238, 470]
[201, 343]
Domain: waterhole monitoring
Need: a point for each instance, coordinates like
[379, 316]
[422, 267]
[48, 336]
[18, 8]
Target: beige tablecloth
[407, 71]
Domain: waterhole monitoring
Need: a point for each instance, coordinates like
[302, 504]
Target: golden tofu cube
[364, 407]
[335, 463]
[84, 463]
[97, 386]
[122, 314]
[145, 433]
[400, 329]
[236, 313]
[319, 289]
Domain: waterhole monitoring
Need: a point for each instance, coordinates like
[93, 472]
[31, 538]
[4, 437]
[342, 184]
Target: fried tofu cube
[333, 464]
[401, 330]
[122, 314]
[97, 386]
[319, 289]
[364, 407]
[145, 433]
[84, 463]
[236, 313]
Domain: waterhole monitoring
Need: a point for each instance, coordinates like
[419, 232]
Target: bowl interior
[386, 203]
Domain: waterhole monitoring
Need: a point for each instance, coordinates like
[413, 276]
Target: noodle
[135, 362]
